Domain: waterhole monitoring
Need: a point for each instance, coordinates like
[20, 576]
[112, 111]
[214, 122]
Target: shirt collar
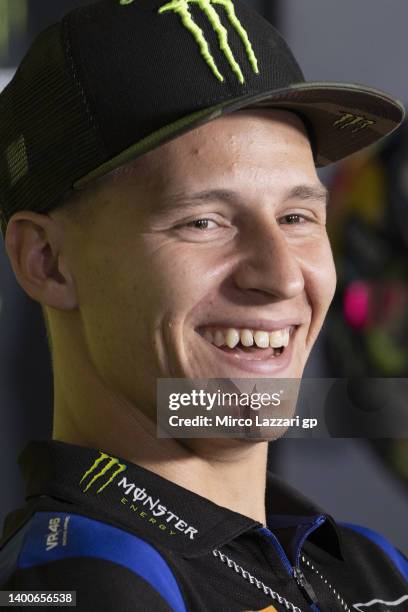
[288, 508]
[170, 516]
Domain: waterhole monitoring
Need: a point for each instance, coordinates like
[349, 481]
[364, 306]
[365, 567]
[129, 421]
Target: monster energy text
[155, 507]
[108, 468]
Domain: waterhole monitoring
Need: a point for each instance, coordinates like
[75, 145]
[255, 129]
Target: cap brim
[341, 118]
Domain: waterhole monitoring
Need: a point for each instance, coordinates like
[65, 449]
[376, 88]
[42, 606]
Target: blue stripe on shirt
[392, 553]
[79, 536]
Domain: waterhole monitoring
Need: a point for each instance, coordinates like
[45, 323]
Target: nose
[269, 264]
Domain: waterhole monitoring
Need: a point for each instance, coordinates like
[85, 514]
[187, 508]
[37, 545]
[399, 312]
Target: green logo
[111, 462]
[355, 123]
[181, 7]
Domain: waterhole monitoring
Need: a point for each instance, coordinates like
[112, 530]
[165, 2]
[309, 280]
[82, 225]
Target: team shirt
[127, 539]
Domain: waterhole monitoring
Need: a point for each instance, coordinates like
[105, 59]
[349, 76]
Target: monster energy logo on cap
[181, 7]
[104, 468]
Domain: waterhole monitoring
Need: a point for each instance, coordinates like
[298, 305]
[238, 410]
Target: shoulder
[98, 560]
[364, 542]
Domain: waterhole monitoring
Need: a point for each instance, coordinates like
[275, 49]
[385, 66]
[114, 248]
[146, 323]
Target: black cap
[118, 78]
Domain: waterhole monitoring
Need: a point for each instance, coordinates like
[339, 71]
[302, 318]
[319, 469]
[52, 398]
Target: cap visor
[342, 119]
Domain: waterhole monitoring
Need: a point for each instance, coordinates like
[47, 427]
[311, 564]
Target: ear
[34, 245]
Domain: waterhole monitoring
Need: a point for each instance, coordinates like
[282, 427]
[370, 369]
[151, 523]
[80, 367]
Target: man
[161, 202]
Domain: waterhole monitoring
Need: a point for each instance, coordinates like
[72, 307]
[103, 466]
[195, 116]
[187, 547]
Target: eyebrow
[299, 192]
[309, 192]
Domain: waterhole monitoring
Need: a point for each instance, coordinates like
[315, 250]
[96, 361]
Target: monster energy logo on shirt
[140, 503]
[110, 463]
[182, 8]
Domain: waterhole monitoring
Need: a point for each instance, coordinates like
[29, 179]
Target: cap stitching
[68, 50]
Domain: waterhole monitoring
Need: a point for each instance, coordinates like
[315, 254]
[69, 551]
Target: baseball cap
[118, 78]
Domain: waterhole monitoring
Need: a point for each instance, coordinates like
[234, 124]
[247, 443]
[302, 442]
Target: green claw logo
[181, 7]
[111, 462]
[354, 123]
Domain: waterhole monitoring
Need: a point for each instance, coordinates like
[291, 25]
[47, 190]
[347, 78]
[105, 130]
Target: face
[207, 258]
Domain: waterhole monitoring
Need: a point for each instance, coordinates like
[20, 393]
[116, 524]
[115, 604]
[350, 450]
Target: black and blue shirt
[127, 539]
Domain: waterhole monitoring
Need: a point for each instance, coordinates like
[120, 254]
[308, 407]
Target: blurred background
[366, 334]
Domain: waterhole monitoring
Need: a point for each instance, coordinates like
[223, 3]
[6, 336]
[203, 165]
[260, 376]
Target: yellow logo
[355, 123]
[105, 463]
[182, 8]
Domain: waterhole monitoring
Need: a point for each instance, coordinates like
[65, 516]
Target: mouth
[265, 349]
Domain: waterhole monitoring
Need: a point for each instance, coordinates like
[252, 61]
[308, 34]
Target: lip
[256, 324]
[267, 367]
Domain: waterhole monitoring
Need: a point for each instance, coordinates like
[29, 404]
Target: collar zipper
[339, 598]
[305, 587]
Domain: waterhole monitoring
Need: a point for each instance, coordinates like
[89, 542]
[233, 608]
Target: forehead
[244, 136]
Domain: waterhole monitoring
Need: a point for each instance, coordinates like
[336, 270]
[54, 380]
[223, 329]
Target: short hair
[47, 328]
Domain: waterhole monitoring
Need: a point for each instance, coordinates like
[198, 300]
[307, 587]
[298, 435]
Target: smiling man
[160, 201]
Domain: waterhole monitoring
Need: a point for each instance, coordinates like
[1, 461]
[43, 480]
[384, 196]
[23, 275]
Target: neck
[233, 475]
[230, 473]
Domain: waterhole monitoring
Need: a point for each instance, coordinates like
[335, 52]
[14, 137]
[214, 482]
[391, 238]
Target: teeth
[219, 338]
[232, 338]
[261, 339]
[208, 336]
[279, 338]
[247, 337]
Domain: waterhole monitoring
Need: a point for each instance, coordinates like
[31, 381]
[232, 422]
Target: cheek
[180, 276]
[320, 277]
[135, 285]
[136, 305]
[112, 292]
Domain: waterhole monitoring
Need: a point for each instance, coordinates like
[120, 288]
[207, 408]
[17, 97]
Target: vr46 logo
[100, 469]
[53, 533]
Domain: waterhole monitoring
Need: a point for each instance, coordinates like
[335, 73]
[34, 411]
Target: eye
[203, 224]
[294, 219]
